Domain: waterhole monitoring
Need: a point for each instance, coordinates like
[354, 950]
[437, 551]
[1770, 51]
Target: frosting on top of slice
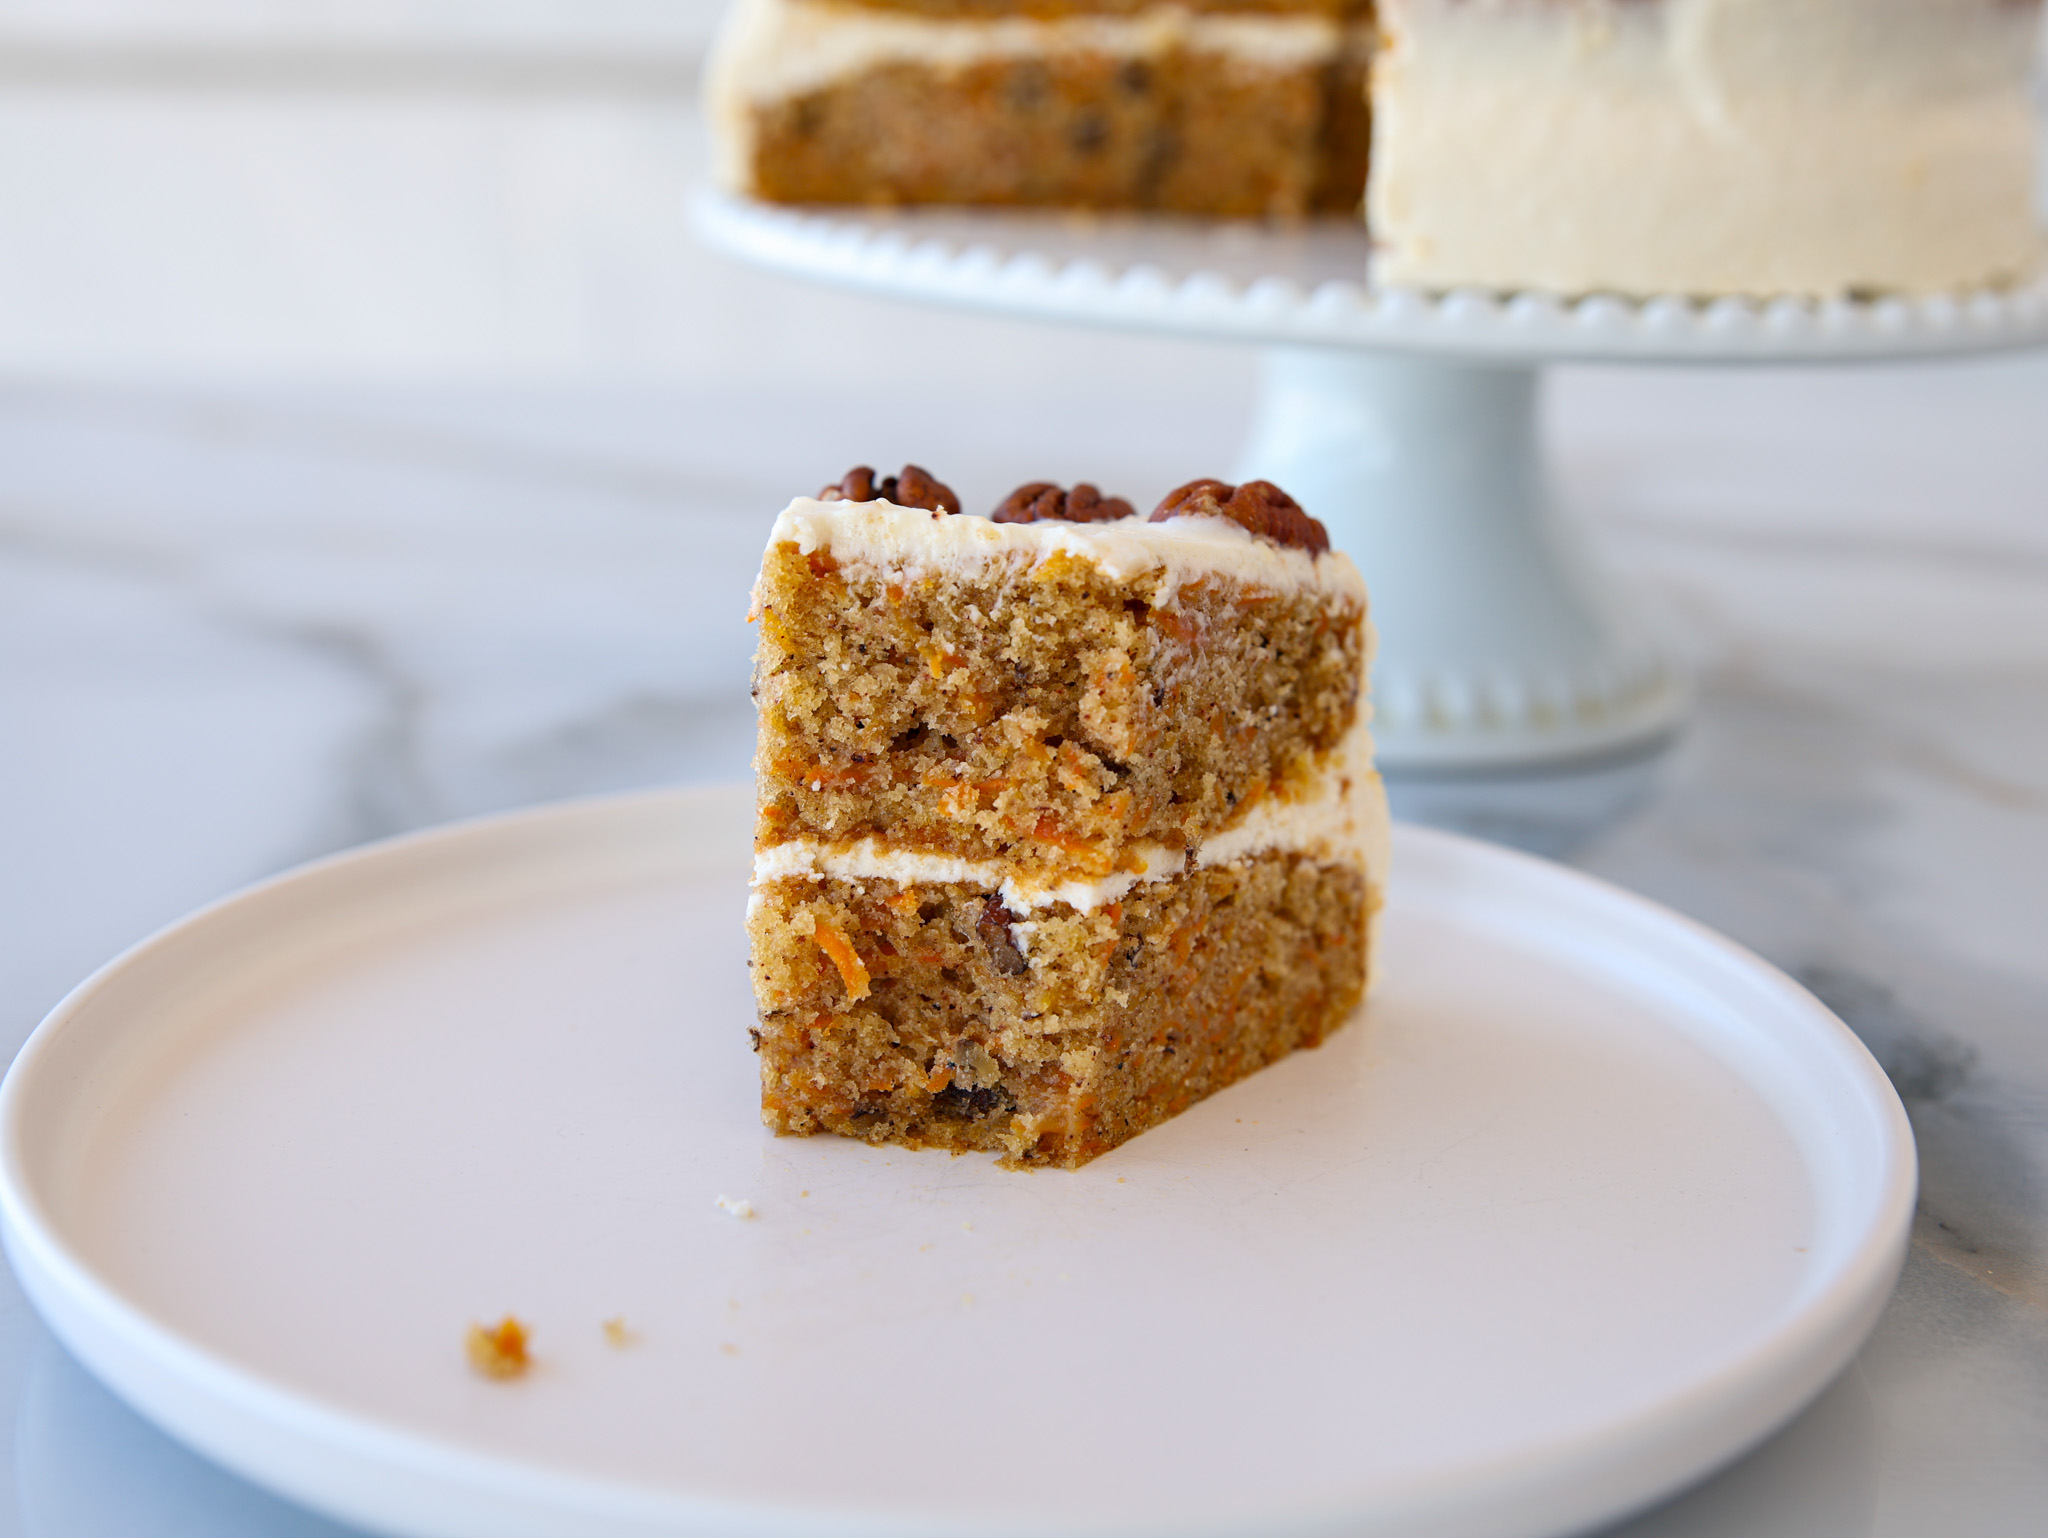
[1172, 553]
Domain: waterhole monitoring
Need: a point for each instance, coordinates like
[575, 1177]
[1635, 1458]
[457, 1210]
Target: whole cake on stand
[1544, 180]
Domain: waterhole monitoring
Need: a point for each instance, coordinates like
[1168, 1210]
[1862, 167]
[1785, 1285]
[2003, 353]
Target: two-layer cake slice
[1067, 819]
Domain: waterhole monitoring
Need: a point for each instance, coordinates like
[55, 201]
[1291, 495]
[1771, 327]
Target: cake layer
[1078, 702]
[1164, 108]
[927, 1014]
[1704, 146]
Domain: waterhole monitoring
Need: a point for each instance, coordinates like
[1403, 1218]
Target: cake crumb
[728, 1348]
[734, 1206]
[499, 1351]
[619, 1333]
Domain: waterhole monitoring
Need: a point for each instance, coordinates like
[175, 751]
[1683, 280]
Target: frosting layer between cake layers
[1341, 818]
[782, 47]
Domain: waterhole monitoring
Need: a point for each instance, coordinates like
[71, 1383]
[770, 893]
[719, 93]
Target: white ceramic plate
[1585, 1203]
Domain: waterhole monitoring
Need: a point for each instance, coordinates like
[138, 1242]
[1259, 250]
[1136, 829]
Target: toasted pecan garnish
[1043, 499]
[1258, 507]
[913, 486]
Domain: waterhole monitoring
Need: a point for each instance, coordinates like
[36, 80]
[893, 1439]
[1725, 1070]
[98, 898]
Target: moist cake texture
[1067, 817]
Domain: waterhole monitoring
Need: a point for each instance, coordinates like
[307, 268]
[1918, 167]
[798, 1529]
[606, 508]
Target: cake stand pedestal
[1405, 421]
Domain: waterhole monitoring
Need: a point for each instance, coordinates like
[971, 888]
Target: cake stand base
[1500, 642]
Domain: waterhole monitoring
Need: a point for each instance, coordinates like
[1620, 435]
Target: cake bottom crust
[928, 1016]
[1195, 133]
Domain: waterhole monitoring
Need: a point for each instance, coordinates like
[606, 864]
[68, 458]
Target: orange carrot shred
[851, 969]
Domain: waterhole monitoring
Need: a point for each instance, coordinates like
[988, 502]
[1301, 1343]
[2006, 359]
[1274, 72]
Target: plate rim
[219, 1406]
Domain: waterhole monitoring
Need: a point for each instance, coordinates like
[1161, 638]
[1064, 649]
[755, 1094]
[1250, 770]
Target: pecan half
[857, 485]
[1258, 507]
[913, 486]
[916, 487]
[994, 925]
[1043, 499]
[957, 1104]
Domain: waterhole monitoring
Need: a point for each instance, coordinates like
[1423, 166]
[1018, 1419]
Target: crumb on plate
[499, 1350]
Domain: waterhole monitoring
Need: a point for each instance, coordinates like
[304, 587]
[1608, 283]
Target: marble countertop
[421, 472]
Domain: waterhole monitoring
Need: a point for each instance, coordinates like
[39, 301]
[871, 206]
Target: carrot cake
[1067, 816]
[1814, 147]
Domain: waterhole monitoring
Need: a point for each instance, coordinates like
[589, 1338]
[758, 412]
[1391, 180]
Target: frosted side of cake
[1812, 147]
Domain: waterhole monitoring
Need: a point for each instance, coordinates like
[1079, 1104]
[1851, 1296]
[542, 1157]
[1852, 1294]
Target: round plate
[1245, 281]
[1585, 1202]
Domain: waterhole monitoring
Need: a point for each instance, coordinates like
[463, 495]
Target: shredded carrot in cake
[851, 969]
[1048, 831]
[500, 1350]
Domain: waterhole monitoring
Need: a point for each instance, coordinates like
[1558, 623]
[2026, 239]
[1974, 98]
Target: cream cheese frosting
[872, 859]
[1704, 146]
[1165, 555]
[784, 47]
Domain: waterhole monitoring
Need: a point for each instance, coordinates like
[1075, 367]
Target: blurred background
[378, 447]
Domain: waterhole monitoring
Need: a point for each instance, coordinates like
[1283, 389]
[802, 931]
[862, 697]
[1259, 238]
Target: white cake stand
[1406, 421]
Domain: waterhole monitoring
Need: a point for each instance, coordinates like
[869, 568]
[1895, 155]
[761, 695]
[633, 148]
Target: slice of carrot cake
[1067, 816]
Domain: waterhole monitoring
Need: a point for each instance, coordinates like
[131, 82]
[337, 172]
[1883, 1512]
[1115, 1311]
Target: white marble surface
[377, 449]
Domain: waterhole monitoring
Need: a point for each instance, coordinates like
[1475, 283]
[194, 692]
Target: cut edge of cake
[1833, 149]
